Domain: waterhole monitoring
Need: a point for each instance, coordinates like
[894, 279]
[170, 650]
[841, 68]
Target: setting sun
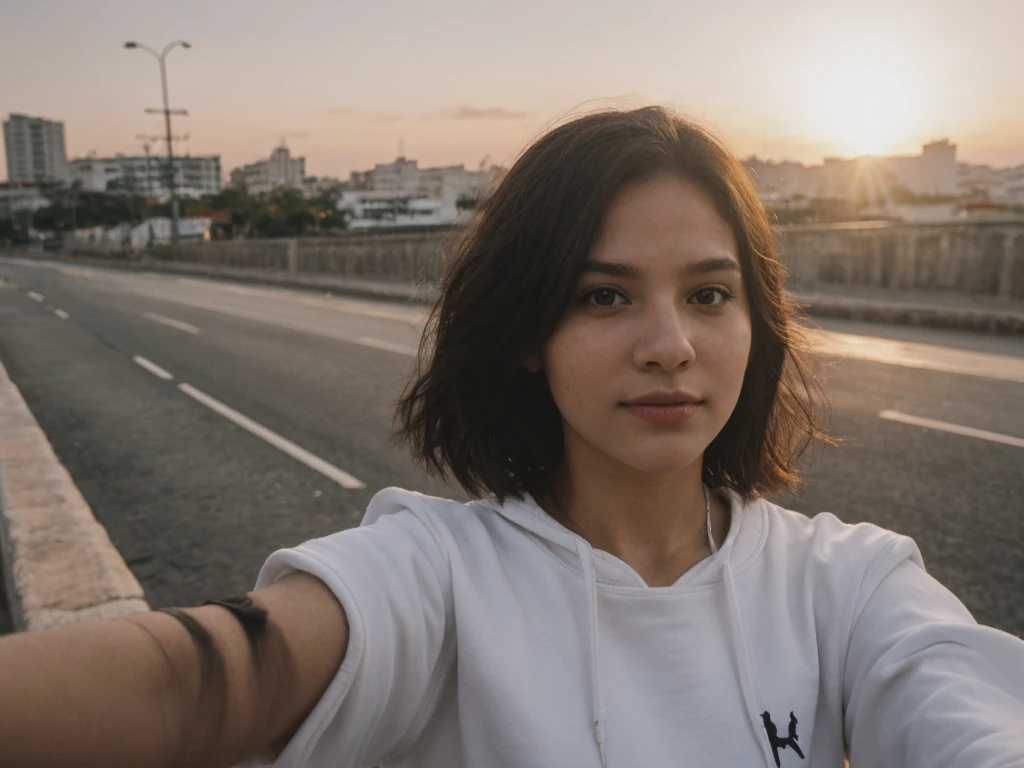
[863, 105]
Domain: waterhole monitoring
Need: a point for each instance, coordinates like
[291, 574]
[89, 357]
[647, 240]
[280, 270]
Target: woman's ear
[533, 363]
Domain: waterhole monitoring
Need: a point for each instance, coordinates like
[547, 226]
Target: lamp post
[167, 112]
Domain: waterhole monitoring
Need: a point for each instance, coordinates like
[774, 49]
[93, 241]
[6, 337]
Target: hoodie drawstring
[586, 555]
[739, 649]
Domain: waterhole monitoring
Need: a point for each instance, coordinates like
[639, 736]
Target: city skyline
[456, 83]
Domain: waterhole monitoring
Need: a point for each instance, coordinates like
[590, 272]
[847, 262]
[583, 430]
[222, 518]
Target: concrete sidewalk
[59, 565]
[934, 309]
[929, 308]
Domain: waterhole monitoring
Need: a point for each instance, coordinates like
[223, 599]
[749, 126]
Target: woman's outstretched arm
[140, 691]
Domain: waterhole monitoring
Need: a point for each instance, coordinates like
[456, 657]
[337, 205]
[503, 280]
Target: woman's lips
[668, 413]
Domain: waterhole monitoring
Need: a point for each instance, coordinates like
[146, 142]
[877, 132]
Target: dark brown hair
[473, 414]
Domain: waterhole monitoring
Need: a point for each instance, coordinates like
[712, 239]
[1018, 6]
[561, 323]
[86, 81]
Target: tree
[324, 208]
[284, 213]
[12, 233]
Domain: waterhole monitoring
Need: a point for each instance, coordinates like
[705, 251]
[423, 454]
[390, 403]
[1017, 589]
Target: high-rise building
[452, 182]
[280, 170]
[933, 172]
[401, 177]
[36, 151]
[146, 175]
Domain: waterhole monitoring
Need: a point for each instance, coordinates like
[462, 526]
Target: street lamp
[167, 112]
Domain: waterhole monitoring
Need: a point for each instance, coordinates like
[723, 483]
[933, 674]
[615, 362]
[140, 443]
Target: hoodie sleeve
[393, 580]
[924, 684]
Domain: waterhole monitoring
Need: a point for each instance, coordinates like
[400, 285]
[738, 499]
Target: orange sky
[461, 80]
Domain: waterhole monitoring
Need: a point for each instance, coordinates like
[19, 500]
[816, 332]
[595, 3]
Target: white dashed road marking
[955, 429]
[153, 368]
[171, 322]
[61, 314]
[35, 296]
[342, 478]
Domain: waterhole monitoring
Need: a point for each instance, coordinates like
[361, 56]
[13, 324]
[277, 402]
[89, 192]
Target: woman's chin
[660, 462]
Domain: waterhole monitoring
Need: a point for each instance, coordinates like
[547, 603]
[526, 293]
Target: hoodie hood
[748, 530]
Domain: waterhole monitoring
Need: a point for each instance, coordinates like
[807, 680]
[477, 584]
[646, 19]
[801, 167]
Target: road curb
[59, 564]
[876, 311]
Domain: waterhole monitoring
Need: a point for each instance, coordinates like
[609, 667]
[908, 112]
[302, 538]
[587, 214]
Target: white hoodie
[490, 635]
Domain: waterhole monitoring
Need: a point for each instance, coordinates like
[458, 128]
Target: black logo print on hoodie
[776, 742]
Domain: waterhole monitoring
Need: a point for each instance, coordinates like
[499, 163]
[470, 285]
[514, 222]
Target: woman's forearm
[125, 692]
[100, 693]
[158, 691]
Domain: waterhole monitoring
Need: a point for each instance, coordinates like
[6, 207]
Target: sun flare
[863, 106]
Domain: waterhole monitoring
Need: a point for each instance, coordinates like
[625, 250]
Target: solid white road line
[336, 302]
[388, 346]
[955, 429]
[289, 324]
[153, 368]
[914, 354]
[35, 296]
[171, 322]
[61, 314]
[342, 478]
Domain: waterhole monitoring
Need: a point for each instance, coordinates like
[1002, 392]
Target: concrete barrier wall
[978, 258]
[985, 258]
[409, 258]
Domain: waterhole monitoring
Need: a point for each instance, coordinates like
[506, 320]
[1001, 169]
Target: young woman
[612, 370]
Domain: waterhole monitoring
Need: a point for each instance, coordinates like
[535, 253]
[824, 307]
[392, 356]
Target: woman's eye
[604, 297]
[710, 297]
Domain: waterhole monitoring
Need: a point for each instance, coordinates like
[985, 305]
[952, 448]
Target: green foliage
[75, 208]
[281, 213]
[904, 196]
[819, 210]
[12, 232]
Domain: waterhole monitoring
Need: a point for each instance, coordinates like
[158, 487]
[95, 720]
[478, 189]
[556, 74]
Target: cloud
[463, 112]
[383, 118]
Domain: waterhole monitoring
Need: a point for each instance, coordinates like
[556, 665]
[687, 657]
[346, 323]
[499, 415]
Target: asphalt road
[195, 502]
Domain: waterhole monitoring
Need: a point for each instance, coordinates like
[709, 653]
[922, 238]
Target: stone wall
[408, 258]
[978, 258]
[985, 258]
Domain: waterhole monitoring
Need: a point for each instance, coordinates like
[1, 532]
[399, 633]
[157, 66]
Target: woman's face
[647, 364]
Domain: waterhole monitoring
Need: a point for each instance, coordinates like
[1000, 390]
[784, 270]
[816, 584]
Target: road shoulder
[59, 565]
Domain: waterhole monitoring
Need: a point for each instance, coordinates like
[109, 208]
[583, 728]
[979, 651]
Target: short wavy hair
[473, 414]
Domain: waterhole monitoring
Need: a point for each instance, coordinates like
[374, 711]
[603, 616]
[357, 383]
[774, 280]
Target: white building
[372, 209]
[1004, 185]
[401, 177]
[933, 172]
[317, 185]
[15, 198]
[126, 237]
[1014, 186]
[146, 175]
[279, 170]
[453, 182]
[405, 177]
[36, 150]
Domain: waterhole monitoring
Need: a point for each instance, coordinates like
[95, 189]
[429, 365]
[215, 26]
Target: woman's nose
[664, 341]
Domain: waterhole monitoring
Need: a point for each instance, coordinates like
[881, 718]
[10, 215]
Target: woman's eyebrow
[715, 264]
